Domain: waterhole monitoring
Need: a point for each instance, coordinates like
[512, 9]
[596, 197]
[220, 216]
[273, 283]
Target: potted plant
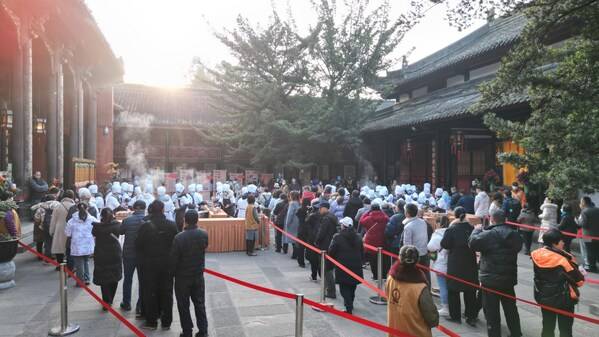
[9, 235]
[491, 180]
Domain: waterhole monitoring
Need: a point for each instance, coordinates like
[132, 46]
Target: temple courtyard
[32, 307]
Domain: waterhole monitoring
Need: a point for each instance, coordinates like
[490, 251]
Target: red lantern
[457, 142]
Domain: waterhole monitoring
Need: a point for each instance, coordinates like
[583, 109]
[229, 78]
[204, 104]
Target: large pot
[8, 250]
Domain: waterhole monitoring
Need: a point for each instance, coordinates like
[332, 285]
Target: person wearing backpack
[58, 224]
[511, 207]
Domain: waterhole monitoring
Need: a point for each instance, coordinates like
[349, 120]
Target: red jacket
[374, 222]
[308, 195]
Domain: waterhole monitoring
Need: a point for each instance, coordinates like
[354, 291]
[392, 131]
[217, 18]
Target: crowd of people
[163, 243]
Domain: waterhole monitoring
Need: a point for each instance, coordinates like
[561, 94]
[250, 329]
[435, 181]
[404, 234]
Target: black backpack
[513, 210]
[46, 220]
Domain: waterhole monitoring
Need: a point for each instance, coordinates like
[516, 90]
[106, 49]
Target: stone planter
[8, 250]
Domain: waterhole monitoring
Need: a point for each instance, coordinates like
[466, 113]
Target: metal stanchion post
[323, 260]
[379, 269]
[65, 328]
[299, 315]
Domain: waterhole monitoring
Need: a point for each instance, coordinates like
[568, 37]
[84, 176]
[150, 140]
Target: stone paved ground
[31, 308]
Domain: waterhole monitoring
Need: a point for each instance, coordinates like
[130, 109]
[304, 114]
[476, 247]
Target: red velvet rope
[580, 236]
[82, 284]
[380, 292]
[315, 304]
[478, 286]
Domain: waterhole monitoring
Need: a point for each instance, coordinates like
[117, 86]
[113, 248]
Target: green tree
[561, 137]
[297, 100]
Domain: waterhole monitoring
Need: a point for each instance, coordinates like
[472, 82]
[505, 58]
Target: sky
[158, 39]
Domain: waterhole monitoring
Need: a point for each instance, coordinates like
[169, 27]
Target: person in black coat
[307, 232]
[568, 225]
[347, 248]
[353, 205]
[326, 231]
[108, 266]
[153, 247]
[279, 214]
[302, 215]
[499, 245]
[461, 262]
[187, 267]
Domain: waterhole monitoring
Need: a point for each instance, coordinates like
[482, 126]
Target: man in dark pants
[129, 228]
[589, 221]
[187, 266]
[324, 236]
[153, 246]
[279, 214]
[499, 245]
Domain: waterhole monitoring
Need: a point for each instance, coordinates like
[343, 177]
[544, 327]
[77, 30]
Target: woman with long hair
[79, 230]
[108, 268]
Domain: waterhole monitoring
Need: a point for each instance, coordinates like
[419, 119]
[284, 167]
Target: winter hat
[325, 204]
[408, 255]
[84, 193]
[347, 222]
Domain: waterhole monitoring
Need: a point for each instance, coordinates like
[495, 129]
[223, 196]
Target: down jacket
[108, 263]
[499, 246]
[374, 222]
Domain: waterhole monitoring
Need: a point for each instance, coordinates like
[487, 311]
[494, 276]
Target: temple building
[159, 128]
[430, 134]
[56, 77]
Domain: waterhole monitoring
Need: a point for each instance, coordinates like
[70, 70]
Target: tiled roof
[438, 105]
[498, 33]
[167, 106]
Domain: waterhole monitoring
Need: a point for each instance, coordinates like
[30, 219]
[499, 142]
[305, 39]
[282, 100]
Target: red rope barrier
[320, 306]
[478, 286]
[82, 284]
[579, 236]
[380, 292]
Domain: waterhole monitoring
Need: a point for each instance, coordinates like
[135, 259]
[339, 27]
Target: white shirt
[242, 204]
[434, 245]
[80, 232]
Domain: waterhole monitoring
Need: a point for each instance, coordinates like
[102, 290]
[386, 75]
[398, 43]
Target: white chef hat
[161, 190]
[93, 189]
[116, 188]
[191, 188]
[252, 188]
[439, 192]
[137, 190]
[199, 187]
[179, 188]
[149, 188]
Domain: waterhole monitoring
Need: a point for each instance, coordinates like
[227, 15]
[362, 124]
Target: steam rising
[136, 134]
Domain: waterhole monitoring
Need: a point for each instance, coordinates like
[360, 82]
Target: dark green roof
[501, 32]
[436, 106]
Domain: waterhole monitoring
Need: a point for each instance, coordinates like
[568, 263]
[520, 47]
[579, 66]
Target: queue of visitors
[335, 219]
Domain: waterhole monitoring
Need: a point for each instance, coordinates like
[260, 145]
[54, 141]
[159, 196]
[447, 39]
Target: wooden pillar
[91, 125]
[59, 121]
[51, 127]
[434, 162]
[17, 156]
[27, 107]
[80, 118]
